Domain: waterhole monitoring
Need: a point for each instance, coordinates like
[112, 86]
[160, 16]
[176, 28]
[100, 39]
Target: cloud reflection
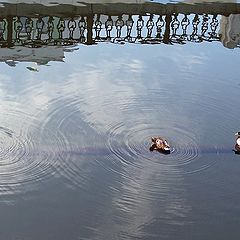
[98, 100]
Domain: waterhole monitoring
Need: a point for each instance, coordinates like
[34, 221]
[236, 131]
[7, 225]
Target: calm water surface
[75, 137]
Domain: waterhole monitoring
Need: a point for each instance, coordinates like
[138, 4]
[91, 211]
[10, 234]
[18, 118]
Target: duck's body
[237, 145]
[160, 144]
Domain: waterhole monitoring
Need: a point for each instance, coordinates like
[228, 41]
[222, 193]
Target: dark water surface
[75, 135]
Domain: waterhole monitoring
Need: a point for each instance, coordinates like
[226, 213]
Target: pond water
[84, 87]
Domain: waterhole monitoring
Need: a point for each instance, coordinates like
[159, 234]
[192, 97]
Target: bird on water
[237, 144]
[160, 144]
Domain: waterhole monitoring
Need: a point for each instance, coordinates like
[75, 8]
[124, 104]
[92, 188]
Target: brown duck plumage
[160, 144]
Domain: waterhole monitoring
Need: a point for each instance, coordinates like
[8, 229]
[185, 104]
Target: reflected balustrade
[148, 29]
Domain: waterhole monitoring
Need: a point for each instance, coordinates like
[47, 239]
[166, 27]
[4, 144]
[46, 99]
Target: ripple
[119, 149]
[85, 151]
[131, 147]
[82, 144]
[26, 160]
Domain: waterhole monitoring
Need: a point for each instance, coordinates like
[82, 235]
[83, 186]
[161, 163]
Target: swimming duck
[237, 145]
[160, 144]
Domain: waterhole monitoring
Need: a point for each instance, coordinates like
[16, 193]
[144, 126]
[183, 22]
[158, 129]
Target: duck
[160, 144]
[237, 145]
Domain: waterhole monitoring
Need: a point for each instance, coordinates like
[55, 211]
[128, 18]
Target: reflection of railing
[151, 29]
[63, 25]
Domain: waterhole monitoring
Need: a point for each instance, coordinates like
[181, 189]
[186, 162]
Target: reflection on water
[230, 31]
[38, 29]
[75, 135]
[23, 162]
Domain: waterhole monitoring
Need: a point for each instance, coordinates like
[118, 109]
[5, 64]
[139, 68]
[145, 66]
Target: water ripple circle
[26, 160]
[82, 143]
[130, 145]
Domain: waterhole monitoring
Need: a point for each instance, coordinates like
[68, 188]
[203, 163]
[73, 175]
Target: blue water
[75, 133]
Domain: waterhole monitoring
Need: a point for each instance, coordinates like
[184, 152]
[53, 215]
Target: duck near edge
[237, 145]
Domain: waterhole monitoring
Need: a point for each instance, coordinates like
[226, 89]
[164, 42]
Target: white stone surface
[230, 30]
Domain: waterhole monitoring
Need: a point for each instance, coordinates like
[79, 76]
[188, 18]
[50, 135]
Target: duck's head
[237, 134]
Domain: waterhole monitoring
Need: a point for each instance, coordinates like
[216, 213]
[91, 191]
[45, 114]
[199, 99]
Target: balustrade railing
[148, 29]
[36, 25]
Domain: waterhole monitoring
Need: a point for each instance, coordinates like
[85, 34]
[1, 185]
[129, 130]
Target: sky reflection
[75, 140]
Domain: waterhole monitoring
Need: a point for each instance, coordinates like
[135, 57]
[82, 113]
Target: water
[78, 111]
